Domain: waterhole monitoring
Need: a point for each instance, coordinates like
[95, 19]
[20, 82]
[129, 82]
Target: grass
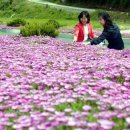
[64, 127]
[33, 12]
[18, 113]
[8, 75]
[25, 9]
[77, 105]
[119, 79]
[35, 85]
[121, 124]
[63, 22]
[66, 23]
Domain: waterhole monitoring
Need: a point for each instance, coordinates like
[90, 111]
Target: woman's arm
[76, 33]
[91, 32]
[101, 38]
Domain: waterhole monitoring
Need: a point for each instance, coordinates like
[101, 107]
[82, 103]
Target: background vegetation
[47, 29]
[123, 5]
[32, 12]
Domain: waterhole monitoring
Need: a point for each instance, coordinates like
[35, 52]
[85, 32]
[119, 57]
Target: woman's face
[84, 20]
[102, 21]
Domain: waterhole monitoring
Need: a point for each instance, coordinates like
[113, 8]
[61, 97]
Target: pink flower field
[46, 84]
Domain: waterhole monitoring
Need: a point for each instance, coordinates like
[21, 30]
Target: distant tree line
[110, 4]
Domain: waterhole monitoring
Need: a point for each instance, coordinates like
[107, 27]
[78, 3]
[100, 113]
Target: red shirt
[79, 32]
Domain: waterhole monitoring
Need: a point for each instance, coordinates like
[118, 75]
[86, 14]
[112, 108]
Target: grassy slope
[37, 13]
[41, 13]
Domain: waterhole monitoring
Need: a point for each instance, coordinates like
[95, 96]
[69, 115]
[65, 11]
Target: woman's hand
[95, 36]
[75, 39]
[87, 43]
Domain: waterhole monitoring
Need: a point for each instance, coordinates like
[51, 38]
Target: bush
[4, 4]
[17, 22]
[54, 23]
[39, 29]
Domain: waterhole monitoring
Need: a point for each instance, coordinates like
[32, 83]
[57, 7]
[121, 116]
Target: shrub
[17, 22]
[54, 23]
[39, 29]
[4, 4]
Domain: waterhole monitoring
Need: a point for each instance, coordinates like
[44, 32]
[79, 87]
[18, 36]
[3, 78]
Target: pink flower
[106, 124]
[128, 120]
[87, 108]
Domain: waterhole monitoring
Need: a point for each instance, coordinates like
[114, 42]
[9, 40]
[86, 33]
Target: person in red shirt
[83, 30]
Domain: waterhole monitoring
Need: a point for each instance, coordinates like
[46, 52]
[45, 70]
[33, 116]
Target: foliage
[109, 4]
[54, 23]
[39, 29]
[25, 9]
[17, 22]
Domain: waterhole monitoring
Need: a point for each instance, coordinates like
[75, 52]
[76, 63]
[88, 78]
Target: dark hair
[82, 14]
[107, 18]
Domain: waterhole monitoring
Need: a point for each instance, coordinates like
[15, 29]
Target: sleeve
[92, 32]
[101, 38]
[76, 31]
